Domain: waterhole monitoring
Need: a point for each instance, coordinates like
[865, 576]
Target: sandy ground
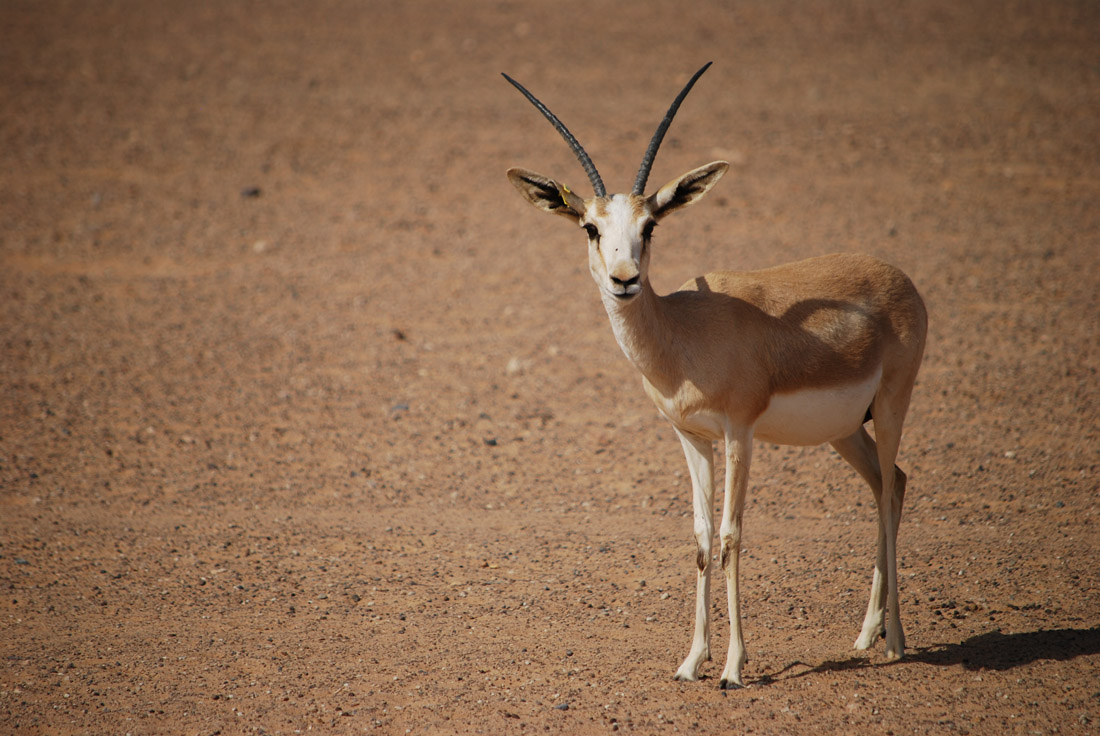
[309, 423]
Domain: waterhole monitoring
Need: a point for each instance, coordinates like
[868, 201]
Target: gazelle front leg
[738, 460]
[700, 459]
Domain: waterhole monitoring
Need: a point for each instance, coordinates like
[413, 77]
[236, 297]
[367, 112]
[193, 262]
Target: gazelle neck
[641, 331]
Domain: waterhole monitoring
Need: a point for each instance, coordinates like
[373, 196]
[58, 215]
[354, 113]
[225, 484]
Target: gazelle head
[619, 226]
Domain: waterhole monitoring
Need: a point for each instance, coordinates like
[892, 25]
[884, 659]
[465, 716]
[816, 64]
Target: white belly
[816, 416]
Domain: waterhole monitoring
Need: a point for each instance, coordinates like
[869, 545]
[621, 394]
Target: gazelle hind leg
[889, 413]
[861, 452]
[874, 622]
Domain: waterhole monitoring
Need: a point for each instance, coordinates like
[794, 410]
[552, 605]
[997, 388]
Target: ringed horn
[586, 160]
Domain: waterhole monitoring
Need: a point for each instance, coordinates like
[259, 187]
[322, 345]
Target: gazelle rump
[803, 353]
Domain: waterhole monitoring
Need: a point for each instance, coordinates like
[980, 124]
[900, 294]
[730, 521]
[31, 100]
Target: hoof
[689, 668]
[730, 685]
[866, 641]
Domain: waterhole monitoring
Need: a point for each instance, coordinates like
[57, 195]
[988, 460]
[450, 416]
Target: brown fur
[717, 354]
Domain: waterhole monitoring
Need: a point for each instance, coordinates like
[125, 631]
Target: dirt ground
[309, 423]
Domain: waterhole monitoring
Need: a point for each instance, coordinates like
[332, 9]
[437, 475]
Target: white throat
[633, 326]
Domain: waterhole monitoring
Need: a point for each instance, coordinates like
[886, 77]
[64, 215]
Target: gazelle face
[619, 229]
[619, 226]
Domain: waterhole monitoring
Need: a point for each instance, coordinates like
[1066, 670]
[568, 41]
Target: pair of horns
[582, 155]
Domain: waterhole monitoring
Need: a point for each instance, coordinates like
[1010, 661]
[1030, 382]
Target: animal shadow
[998, 651]
[992, 650]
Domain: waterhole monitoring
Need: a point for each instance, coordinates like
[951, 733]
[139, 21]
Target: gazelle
[802, 354]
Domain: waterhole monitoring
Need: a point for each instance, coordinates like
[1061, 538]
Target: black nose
[625, 283]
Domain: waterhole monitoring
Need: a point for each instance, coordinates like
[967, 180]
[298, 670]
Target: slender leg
[874, 621]
[700, 459]
[738, 460]
[889, 438]
[862, 454]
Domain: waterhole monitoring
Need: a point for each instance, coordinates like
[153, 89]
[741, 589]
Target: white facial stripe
[621, 226]
[620, 223]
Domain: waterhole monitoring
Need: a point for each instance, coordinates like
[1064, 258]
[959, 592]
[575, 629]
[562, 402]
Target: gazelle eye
[593, 232]
[647, 230]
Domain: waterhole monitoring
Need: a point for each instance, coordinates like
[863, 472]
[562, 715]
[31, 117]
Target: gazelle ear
[686, 189]
[547, 194]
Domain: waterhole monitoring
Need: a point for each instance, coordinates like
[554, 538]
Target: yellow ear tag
[565, 191]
